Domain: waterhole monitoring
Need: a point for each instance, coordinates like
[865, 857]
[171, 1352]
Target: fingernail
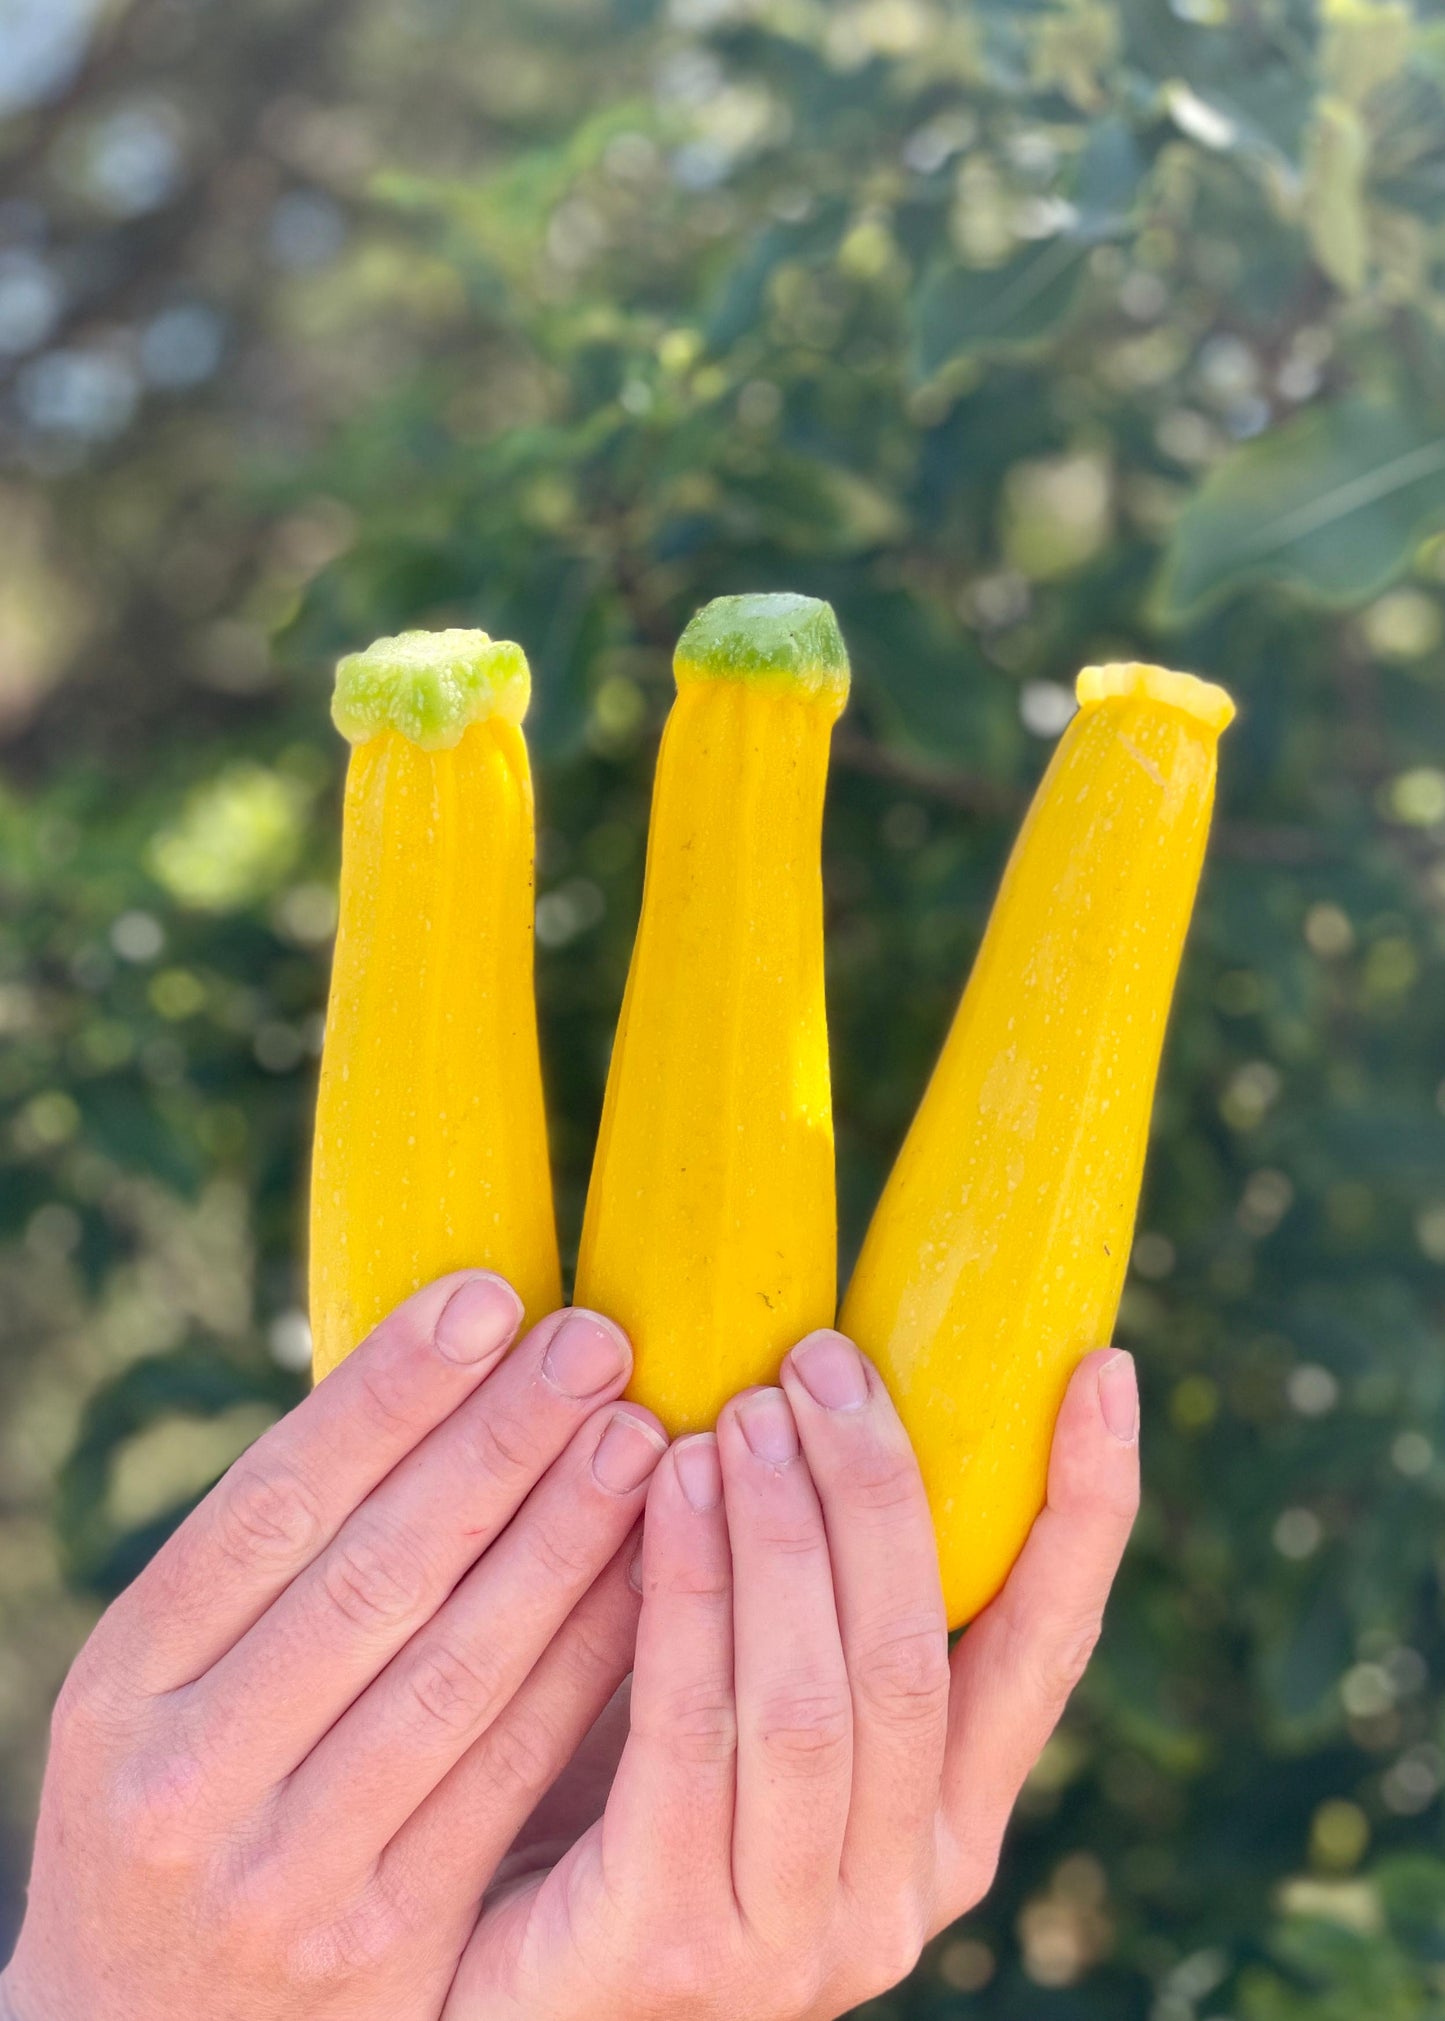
[831, 1370]
[768, 1427]
[479, 1317]
[1119, 1396]
[629, 1450]
[634, 1570]
[699, 1474]
[584, 1355]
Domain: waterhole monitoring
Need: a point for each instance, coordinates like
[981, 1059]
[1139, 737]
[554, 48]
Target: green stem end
[784, 643]
[430, 687]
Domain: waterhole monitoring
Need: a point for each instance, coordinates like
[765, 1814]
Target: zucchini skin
[711, 1226]
[431, 1141]
[996, 1256]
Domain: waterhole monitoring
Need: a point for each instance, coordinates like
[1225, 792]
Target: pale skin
[353, 1748]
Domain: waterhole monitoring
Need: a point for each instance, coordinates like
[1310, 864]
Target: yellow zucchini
[997, 1253]
[710, 1232]
[431, 1143]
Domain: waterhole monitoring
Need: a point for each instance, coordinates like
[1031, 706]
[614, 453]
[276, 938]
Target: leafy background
[1029, 332]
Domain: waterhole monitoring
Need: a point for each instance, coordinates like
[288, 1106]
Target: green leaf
[924, 682]
[1412, 1887]
[122, 1120]
[960, 310]
[1107, 178]
[1235, 91]
[1333, 505]
[1303, 1655]
[558, 604]
[738, 298]
[504, 214]
[196, 1380]
[1365, 44]
[1337, 158]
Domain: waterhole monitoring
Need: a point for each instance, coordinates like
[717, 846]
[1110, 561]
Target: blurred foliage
[1030, 332]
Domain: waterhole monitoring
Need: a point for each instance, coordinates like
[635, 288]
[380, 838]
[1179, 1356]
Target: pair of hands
[348, 1749]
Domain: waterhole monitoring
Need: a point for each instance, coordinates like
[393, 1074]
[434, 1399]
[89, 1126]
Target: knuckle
[76, 1713]
[1122, 1501]
[156, 1813]
[664, 1980]
[409, 1894]
[259, 1900]
[670, 1971]
[1061, 1664]
[452, 1688]
[895, 1952]
[68, 1717]
[591, 1653]
[794, 1983]
[1107, 1507]
[904, 1675]
[700, 1724]
[698, 1582]
[371, 1583]
[659, 1989]
[801, 1537]
[520, 1756]
[1104, 1506]
[973, 1875]
[350, 1951]
[389, 1390]
[502, 1447]
[565, 1559]
[266, 1513]
[889, 1485]
[804, 1731]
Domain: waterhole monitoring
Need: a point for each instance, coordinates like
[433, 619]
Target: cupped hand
[293, 1755]
[810, 1788]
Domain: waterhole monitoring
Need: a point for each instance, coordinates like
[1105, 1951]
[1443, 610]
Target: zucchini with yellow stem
[997, 1253]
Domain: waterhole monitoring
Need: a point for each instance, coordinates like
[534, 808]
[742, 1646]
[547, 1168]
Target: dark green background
[1029, 334]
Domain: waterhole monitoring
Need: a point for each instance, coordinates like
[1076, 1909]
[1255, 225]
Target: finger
[395, 1561]
[452, 1847]
[284, 1500]
[666, 1841]
[890, 1615]
[1014, 1669]
[453, 1681]
[795, 1721]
